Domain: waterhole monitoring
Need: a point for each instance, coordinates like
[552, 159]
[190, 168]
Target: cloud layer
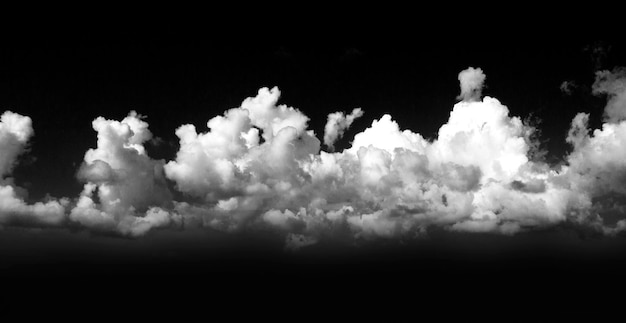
[259, 167]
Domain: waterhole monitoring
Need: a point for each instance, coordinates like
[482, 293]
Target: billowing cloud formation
[337, 124]
[476, 176]
[15, 131]
[472, 81]
[130, 187]
[597, 170]
[597, 164]
[259, 167]
[230, 160]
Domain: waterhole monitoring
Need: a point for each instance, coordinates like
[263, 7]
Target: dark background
[64, 74]
[207, 276]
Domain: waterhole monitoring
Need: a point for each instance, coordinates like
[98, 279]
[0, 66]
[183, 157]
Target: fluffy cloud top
[486, 127]
[129, 185]
[472, 81]
[230, 160]
[385, 133]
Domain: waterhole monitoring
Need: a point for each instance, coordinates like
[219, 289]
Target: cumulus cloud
[125, 190]
[15, 211]
[259, 167]
[597, 168]
[337, 124]
[472, 81]
[15, 131]
[475, 176]
[385, 133]
[226, 160]
[486, 127]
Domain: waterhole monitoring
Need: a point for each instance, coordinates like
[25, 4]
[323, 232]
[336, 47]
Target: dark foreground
[200, 276]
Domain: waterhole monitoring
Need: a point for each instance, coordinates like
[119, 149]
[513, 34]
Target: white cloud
[219, 163]
[482, 134]
[13, 210]
[598, 161]
[130, 186]
[475, 176]
[385, 134]
[337, 124]
[259, 167]
[271, 118]
[596, 167]
[15, 131]
[472, 81]
[612, 84]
